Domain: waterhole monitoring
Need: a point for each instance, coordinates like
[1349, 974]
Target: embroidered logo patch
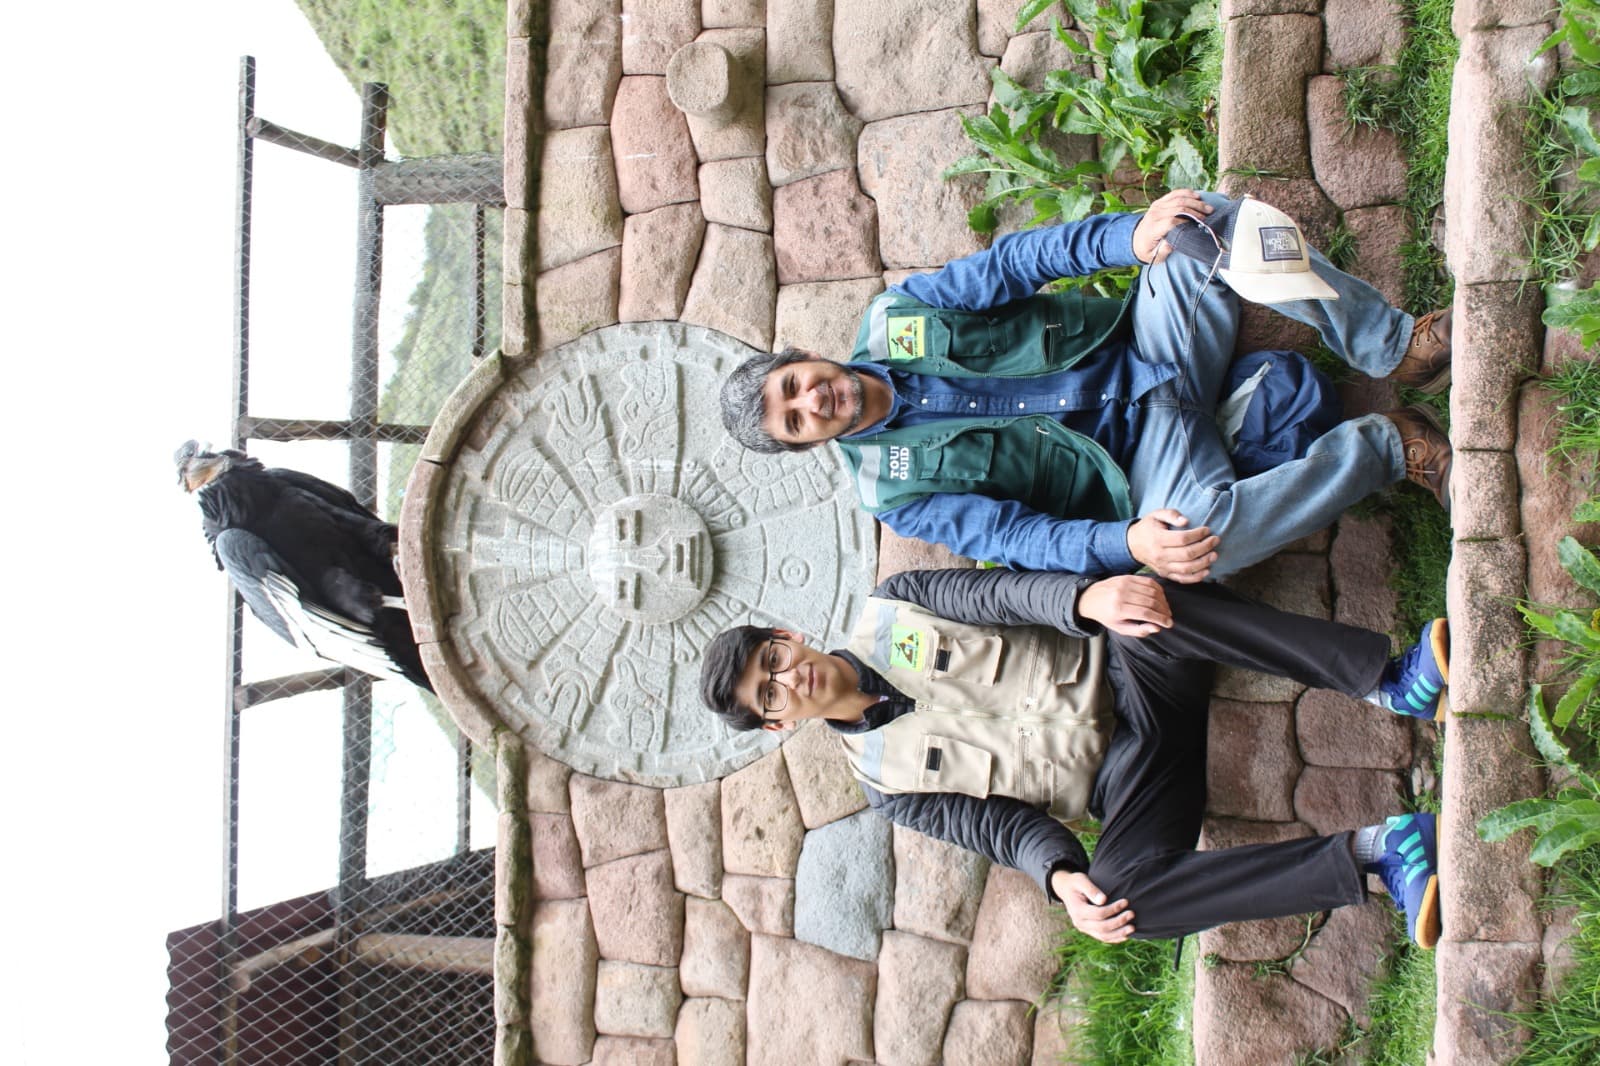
[1279, 243]
[899, 462]
[905, 336]
[906, 647]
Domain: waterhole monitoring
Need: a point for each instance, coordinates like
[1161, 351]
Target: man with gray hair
[1056, 431]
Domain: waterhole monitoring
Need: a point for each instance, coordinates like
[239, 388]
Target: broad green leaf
[1577, 695]
[1588, 511]
[982, 218]
[1031, 10]
[1579, 562]
[1565, 836]
[1581, 315]
[1576, 121]
[968, 164]
[1187, 170]
[1545, 741]
[1581, 83]
[1513, 817]
[1589, 171]
[1068, 40]
[1075, 203]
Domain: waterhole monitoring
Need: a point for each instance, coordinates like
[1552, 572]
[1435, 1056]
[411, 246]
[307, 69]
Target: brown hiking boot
[1427, 450]
[1426, 364]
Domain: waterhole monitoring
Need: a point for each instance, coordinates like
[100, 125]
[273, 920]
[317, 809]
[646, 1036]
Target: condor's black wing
[273, 591]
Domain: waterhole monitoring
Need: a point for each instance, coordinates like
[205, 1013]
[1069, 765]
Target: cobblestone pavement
[800, 176]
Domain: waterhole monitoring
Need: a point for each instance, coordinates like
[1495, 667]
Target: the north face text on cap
[1279, 243]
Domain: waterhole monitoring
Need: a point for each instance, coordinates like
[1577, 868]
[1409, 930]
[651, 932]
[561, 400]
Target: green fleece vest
[1034, 459]
[1019, 711]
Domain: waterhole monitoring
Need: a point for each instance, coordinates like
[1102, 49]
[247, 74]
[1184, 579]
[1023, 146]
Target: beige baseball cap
[1263, 255]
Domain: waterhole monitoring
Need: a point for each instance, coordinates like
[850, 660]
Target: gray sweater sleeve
[996, 597]
[999, 828]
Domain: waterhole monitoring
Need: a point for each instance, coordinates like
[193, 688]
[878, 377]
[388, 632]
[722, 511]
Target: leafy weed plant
[1149, 102]
[1566, 163]
[1566, 822]
[1579, 632]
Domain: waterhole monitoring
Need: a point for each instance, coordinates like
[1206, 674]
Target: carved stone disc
[596, 527]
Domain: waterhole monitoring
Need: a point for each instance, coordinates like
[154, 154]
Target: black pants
[1151, 791]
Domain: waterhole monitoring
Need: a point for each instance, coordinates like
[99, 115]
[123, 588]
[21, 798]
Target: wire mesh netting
[357, 917]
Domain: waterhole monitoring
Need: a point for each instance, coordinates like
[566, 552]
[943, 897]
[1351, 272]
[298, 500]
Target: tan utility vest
[1019, 711]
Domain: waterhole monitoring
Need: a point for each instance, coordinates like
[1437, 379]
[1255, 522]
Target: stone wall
[801, 175]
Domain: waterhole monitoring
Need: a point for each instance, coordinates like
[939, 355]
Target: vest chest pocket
[1068, 660]
[954, 766]
[965, 457]
[971, 660]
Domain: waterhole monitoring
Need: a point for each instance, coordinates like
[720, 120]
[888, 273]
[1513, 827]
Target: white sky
[119, 176]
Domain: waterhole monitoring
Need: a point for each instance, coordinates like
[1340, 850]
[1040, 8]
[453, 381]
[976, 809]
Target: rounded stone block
[1356, 165]
[1332, 799]
[635, 1000]
[1261, 111]
[822, 316]
[650, 142]
[633, 1051]
[1347, 955]
[922, 219]
[1495, 344]
[1360, 562]
[710, 1033]
[809, 131]
[638, 915]
[761, 828]
[1252, 763]
[824, 788]
[1336, 730]
[579, 213]
[799, 41]
[654, 31]
[763, 904]
[716, 951]
[735, 286]
[562, 997]
[1239, 1017]
[824, 229]
[659, 249]
[988, 1034]
[938, 886]
[941, 37]
[735, 192]
[844, 886]
[557, 862]
[694, 832]
[584, 59]
[919, 981]
[1378, 232]
[1363, 33]
[615, 820]
[814, 1006]
[1013, 944]
[703, 80]
[578, 298]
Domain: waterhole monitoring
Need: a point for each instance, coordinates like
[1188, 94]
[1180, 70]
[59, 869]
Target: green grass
[1578, 432]
[1566, 1030]
[1136, 1009]
[443, 60]
[1413, 99]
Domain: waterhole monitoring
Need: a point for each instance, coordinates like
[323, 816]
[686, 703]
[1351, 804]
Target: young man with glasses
[987, 708]
[1061, 432]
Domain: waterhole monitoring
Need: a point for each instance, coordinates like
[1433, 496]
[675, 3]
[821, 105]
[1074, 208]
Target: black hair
[725, 659]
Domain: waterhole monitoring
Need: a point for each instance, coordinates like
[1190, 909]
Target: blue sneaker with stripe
[1414, 683]
[1409, 868]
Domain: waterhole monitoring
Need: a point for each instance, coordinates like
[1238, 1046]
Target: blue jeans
[1184, 316]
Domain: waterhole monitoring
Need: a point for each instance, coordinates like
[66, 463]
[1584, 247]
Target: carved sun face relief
[598, 527]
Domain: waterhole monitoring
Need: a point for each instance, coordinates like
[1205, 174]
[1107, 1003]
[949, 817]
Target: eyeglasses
[776, 657]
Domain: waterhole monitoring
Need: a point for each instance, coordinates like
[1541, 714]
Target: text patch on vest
[906, 336]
